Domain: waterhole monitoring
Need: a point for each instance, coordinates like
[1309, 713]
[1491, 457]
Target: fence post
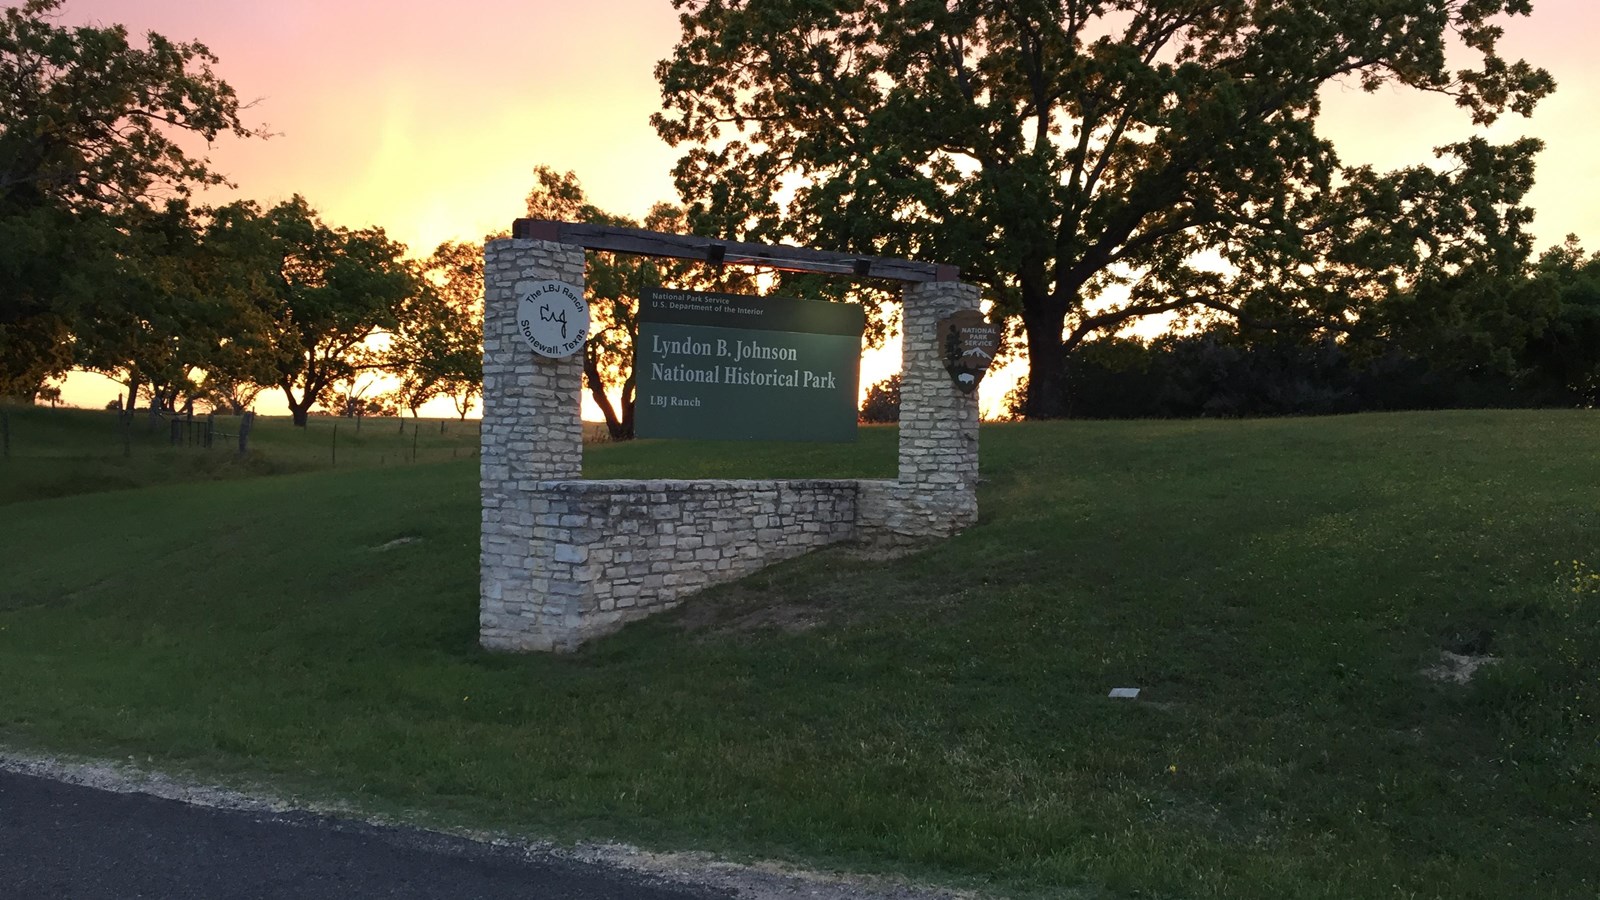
[245, 424]
[5, 432]
[414, 444]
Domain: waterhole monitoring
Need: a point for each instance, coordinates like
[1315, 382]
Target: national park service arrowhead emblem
[968, 343]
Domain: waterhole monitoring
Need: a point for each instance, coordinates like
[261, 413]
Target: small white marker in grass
[1124, 693]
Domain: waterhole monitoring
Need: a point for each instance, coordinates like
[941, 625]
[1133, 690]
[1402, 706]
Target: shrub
[883, 401]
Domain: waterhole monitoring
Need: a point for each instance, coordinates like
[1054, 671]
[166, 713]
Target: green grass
[873, 455]
[59, 452]
[1274, 587]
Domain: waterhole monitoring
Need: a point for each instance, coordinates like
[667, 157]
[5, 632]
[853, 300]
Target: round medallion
[552, 316]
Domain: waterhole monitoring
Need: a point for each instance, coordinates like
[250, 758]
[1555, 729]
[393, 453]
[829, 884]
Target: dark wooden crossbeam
[772, 256]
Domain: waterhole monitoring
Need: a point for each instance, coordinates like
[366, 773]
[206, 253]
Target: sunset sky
[426, 118]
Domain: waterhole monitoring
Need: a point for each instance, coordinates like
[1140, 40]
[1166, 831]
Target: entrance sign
[563, 560]
[967, 344]
[729, 367]
[552, 317]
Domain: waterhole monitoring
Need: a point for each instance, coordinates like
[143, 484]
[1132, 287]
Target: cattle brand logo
[552, 316]
[969, 343]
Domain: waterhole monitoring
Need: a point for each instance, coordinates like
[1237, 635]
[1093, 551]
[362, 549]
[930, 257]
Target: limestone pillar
[532, 432]
[936, 494]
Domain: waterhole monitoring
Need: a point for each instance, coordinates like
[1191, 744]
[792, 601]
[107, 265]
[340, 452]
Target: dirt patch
[1458, 668]
[741, 609]
[397, 542]
[823, 588]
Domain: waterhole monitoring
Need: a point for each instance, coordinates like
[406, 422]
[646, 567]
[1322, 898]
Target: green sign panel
[733, 368]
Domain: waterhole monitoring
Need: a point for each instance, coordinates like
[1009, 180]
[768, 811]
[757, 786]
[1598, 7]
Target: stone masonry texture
[563, 560]
[936, 494]
[531, 433]
[619, 550]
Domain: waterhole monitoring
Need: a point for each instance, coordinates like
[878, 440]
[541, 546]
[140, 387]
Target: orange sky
[408, 115]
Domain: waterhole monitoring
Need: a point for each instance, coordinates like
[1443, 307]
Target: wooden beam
[783, 257]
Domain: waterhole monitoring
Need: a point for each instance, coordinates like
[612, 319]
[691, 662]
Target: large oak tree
[1091, 162]
[89, 128]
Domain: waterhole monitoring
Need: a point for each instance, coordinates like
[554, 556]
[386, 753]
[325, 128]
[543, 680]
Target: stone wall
[613, 551]
[564, 560]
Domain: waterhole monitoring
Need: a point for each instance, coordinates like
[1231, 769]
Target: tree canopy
[88, 119]
[437, 347]
[322, 291]
[89, 128]
[1091, 162]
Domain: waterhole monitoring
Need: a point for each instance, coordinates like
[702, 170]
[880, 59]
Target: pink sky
[427, 118]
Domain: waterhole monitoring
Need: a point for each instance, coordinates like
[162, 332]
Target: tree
[437, 348]
[36, 272]
[1089, 162]
[411, 393]
[1566, 354]
[239, 363]
[89, 125]
[233, 398]
[883, 401]
[148, 318]
[348, 397]
[324, 291]
[159, 299]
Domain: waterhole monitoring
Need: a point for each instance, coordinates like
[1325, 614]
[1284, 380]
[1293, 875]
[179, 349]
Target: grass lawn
[1275, 588]
[58, 452]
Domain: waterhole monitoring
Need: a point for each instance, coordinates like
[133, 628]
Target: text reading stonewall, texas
[726, 367]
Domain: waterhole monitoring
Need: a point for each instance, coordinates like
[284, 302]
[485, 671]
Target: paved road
[66, 842]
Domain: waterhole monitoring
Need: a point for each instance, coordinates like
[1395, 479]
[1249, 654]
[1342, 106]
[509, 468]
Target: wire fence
[37, 433]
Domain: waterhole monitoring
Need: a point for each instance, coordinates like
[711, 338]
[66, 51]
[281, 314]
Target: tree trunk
[619, 427]
[299, 409]
[629, 401]
[133, 395]
[163, 400]
[1047, 361]
[315, 384]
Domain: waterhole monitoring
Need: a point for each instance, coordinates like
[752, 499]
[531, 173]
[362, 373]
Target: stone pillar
[936, 494]
[532, 432]
[938, 422]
